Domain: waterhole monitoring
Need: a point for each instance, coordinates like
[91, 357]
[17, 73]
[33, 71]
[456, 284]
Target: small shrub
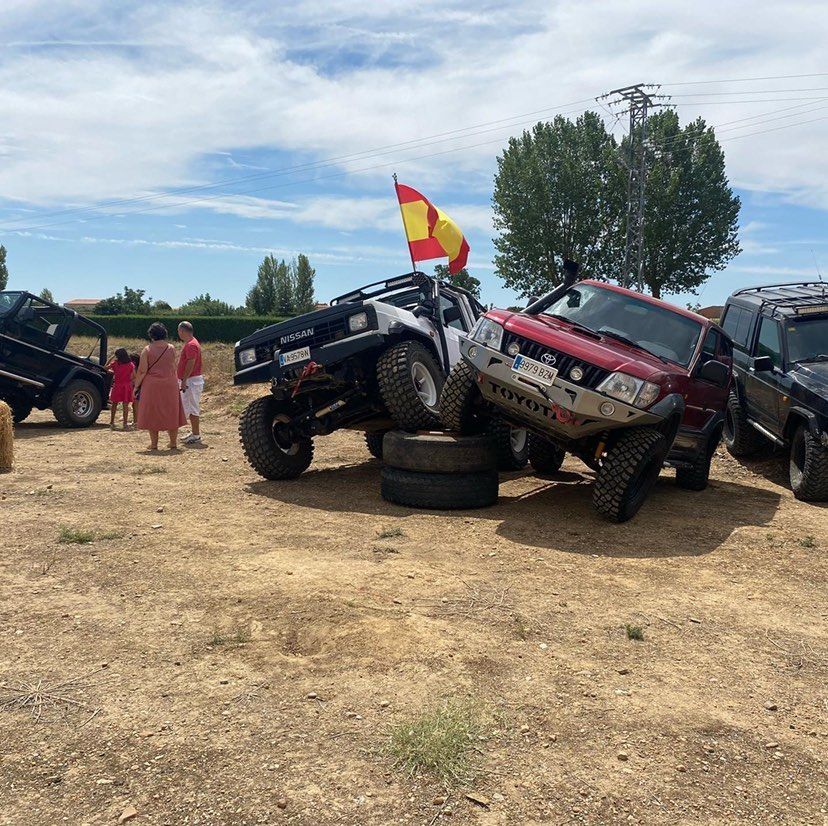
[390, 533]
[808, 542]
[75, 536]
[634, 632]
[239, 636]
[144, 470]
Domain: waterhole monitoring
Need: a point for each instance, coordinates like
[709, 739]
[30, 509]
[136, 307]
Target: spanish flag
[430, 232]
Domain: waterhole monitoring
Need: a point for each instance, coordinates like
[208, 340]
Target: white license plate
[294, 356]
[527, 368]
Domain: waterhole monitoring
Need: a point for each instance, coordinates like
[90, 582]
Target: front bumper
[326, 354]
[566, 409]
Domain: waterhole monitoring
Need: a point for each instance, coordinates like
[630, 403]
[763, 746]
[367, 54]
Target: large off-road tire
[20, 408]
[440, 491]
[511, 444]
[697, 475]
[544, 456]
[460, 401]
[269, 453]
[410, 381]
[808, 467]
[78, 404]
[373, 441]
[628, 473]
[741, 439]
[439, 452]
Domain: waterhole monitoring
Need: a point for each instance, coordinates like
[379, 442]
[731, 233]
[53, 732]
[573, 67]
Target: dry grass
[6, 438]
[41, 696]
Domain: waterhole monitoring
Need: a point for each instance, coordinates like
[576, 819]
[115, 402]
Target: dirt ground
[241, 648]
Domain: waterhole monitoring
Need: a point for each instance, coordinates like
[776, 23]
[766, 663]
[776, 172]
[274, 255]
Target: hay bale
[6, 438]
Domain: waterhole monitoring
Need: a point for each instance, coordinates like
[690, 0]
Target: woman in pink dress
[160, 407]
[122, 370]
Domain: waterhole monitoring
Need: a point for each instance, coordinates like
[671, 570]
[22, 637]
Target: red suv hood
[606, 353]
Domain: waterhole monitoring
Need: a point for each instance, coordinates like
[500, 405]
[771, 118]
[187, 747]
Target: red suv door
[703, 398]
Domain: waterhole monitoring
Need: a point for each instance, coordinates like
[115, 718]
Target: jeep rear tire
[78, 404]
[20, 408]
[511, 444]
[410, 381]
[439, 452]
[459, 401]
[697, 475]
[373, 442]
[628, 473]
[808, 467]
[739, 436]
[271, 452]
[544, 456]
[440, 491]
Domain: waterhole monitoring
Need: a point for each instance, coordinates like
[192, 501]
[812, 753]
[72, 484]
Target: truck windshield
[7, 301]
[807, 339]
[665, 334]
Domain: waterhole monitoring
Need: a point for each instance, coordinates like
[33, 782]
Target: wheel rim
[281, 438]
[517, 439]
[424, 384]
[797, 462]
[82, 404]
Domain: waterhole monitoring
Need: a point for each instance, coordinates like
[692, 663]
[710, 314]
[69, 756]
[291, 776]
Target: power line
[743, 79]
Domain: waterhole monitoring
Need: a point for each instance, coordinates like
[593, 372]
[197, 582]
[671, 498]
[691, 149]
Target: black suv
[780, 394]
[37, 368]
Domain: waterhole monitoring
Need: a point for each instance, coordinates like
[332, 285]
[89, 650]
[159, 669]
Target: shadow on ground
[33, 430]
[556, 512]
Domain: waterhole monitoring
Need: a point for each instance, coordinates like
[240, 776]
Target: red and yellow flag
[430, 232]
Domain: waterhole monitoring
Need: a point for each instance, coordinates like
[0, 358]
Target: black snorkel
[570, 276]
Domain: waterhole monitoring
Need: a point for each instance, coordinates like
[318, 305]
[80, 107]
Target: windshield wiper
[624, 340]
[580, 327]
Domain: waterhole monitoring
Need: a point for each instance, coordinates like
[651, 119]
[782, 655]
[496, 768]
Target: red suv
[623, 381]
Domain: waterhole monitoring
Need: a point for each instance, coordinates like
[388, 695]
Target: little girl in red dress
[123, 370]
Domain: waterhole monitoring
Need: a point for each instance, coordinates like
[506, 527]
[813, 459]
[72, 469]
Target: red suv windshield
[668, 335]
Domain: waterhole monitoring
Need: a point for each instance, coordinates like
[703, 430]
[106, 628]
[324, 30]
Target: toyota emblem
[548, 358]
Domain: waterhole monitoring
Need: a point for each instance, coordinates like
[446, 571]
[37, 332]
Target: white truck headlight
[629, 389]
[487, 332]
[358, 322]
[247, 356]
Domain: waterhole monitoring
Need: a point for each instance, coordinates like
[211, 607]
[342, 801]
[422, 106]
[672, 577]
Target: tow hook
[309, 369]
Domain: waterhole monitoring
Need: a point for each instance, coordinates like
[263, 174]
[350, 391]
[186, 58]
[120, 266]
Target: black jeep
[37, 367]
[780, 395]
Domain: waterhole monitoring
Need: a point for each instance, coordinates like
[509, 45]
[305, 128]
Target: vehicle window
[731, 319]
[85, 339]
[7, 301]
[807, 339]
[447, 301]
[737, 324]
[768, 344]
[715, 348]
[39, 323]
[667, 334]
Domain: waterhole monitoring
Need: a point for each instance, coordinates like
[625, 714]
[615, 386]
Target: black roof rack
[793, 296]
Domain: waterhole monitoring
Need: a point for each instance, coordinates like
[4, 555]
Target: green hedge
[207, 328]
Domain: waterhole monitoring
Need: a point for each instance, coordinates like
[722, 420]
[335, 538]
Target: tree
[285, 278]
[130, 302]
[303, 298]
[161, 307]
[461, 279]
[262, 296]
[46, 295]
[558, 192]
[4, 270]
[691, 215]
[206, 305]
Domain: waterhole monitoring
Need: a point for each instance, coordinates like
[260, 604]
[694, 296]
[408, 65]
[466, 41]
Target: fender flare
[671, 410]
[797, 412]
[79, 372]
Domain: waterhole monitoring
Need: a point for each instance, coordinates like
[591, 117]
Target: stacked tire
[439, 471]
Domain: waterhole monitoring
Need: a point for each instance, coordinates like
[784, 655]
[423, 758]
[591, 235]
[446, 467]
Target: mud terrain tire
[439, 452]
[808, 467]
[410, 381]
[268, 456]
[373, 442]
[78, 404]
[697, 475]
[439, 491]
[740, 438]
[544, 456]
[458, 401]
[511, 444]
[628, 473]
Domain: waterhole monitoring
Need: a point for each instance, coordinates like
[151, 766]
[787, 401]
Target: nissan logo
[548, 358]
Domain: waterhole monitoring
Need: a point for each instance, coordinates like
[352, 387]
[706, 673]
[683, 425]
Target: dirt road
[245, 646]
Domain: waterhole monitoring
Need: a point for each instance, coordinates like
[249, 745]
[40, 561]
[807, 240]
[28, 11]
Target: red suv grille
[593, 375]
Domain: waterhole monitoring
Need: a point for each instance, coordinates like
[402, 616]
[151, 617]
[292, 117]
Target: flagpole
[405, 226]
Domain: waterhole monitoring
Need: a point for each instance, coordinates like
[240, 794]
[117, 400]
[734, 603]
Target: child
[123, 370]
[136, 360]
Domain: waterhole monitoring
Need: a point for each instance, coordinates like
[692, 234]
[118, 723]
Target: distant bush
[207, 328]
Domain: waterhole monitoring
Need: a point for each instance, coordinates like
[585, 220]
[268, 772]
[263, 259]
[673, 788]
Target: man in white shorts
[191, 379]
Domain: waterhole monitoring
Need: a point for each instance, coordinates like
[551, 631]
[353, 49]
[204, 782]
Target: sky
[170, 146]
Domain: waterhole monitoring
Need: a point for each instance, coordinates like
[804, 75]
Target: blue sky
[171, 146]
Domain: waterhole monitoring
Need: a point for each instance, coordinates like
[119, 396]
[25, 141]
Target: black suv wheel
[373, 441]
[511, 444]
[740, 438]
[271, 451]
[697, 475]
[458, 401]
[410, 382]
[77, 405]
[808, 467]
[544, 456]
[628, 473]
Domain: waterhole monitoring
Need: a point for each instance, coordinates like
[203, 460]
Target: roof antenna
[816, 264]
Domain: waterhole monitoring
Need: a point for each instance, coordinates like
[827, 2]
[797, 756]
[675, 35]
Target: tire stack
[439, 471]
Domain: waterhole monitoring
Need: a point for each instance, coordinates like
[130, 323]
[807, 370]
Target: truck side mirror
[762, 364]
[715, 372]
